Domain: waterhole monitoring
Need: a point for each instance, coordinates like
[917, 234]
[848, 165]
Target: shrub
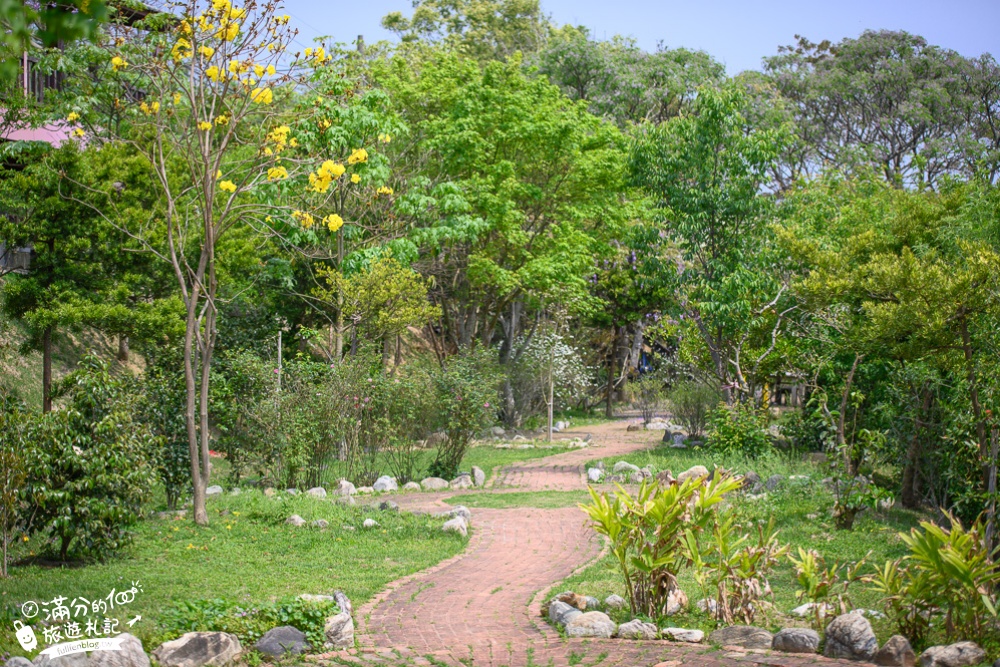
[527, 376]
[466, 394]
[11, 476]
[646, 395]
[690, 403]
[738, 429]
[819, 584]
[87, 466]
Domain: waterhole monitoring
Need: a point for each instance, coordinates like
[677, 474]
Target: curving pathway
[483, 607]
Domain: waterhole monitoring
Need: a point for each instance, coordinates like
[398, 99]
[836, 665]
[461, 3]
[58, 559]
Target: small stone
[462, 482]
[456, 525]
[594, 475]
[385, 484]
[850, 636]
[320, 523]
[809, 609]
[213, 490]
[478, 476]
[292, 492]
[130, 654]
[707, 606]
[744, 636]
[677, 601]
[434, 484]
[624, 466]
[388, 506]
[615, 602]
[281, 640]
[593, 603]
[684, 635]
[751, 480]
[896, 652]
[634, 427]
[561, 425]
[411, 486]
[636, 477]
[316, 492]
[498, 432]
[773, 482]
[346, 500]
[561, 613]
[235, 492]
[573, 600]
[269, 492]
[339, 631]
[345, 488]
[309, 597]
[637, 629]
[461, 511]
[796, 640]
[591, 624]
[366, 489]
[961, 654]
[198, 649]
[369, 523]
[665, 477]
[295, 520]
[694, 472]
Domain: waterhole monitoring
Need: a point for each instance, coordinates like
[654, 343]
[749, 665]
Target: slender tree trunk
[842, 418]
[123, 349]
[609, 396]
[991, 488]
[908, 496]
[47, 370]
[977, 408]
[386, 352]
[338, 348]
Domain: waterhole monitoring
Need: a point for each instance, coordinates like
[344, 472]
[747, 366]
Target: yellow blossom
[78, 132]
[282, 20]
[204, 25]
[73, 117]
[304, 218]
[328, 172]
[262, 95]
[355, 178]
[277, 173]
[293, 142]
[177, 98]
[228, 31]
[118, 63]
[236, 67]
[333, 222]
[149, 109]
[270, 70]
[184, 27]
[222, 120]
[227, 186]
[384, 190]
[258, 70]
[308, 51]
[215, 74]
[385, 138]
[204, 126]
[221, 5]
[359, 155]
[206, 51]
[181, 49]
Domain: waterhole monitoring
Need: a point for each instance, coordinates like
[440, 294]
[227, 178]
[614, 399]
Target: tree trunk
[908, 496]
[977, 408]
[609, 396]
[123, 349]
[47, 370]
[842, 419]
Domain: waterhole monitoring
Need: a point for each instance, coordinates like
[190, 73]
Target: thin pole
[279, 359]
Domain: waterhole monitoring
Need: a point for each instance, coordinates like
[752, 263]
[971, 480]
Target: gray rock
[562, 613]
[595, 474]
[235, 492]
[461, 511]
[744, 636]
[498, 432]
[339, 631]
[591, 624]
[316, 492]
[69, 660]
[677, 601]
[809, 609]
[615, 602]
[295, 520]
[462, 482]
[636, 477]
[896, 652]
[478, 476]
[796, 640]
[436, 439]
[130, 654]
[850, 636]
[637, 629]
[309, 597]
[434, 484]
[345, 488]
[198, 649]
[281, 640]
[346, 500]
[370, 523]
[694, 472]
[624, 466]
[684, 635]
[320, 523]
[388, 506]
[707, 606]
[17, 661]
[456, 525]
[366, 489]
[384, 484]
[270, 492]
[411, 486]
[292, 492]
[751, 481]
[561, 425]
[593, 603]
[961, 654]
[600, 464]
[213, 490]
[773, 482]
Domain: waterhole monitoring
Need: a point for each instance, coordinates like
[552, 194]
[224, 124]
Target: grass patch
[801, 511]
[248, 556]
[489, 458]
[539, 499]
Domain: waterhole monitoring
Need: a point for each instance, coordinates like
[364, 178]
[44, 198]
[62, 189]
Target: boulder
[677, 601]
[561, 613]
[292, 492]
[896, 652]
[633, 427]
[411, 486]
[594, 475]
[456, 525]
[213, 490]
[560, 426]
[615, 602]
[17, 661]
[198, 649]
[707, 606]
[850, 636]
[366, 489]
[315, 492]
[320, 523]
[636, 477]
[665, 477]
[309, 597]
[657, 425]
[346, 500]
[384, 484]
[369, 523]
[295, 520]
[593, 603]
[498, 432]
[345, 488]
[281, 640]
[388, 506]
[694, 472]
[69, 660]
[774, 482]
[462, 482]
[339, 631]
[684, 635]
[573, 600]
[461, 511]
[637, 629]
[591, 624]
[809, 610]
[796, 640]
[744, 636]
[433, 484]
[961, 654]
[478, 476]
[624, 466]
[129, 655]
[751, 480]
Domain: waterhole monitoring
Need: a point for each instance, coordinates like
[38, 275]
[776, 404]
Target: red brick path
[483, 607]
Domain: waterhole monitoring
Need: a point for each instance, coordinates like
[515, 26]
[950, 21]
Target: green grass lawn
[489, 457]
[248, 556]
[801, 511]
[540, 499]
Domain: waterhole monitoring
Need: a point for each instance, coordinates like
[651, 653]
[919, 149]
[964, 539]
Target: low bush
[738, 429]
[690, 403]
[646, 395]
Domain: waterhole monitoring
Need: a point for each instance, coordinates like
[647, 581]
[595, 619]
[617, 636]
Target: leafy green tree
[24, 23]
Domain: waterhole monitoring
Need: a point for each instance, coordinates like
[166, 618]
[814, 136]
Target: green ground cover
[539, 499]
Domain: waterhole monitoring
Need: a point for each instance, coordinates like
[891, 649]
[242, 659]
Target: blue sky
[738, 33]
